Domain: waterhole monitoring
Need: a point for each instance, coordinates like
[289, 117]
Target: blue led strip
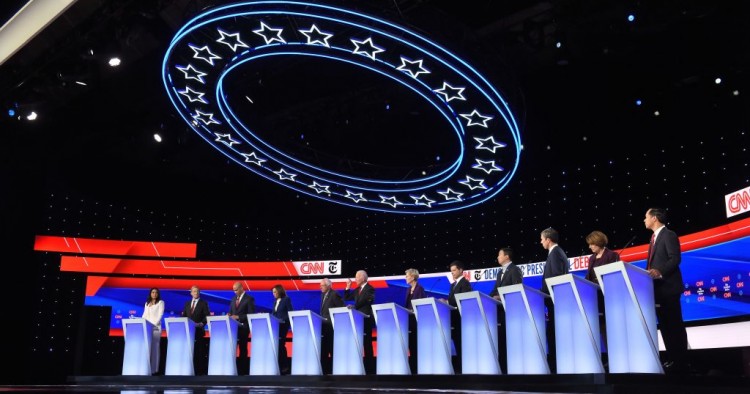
[230, 38]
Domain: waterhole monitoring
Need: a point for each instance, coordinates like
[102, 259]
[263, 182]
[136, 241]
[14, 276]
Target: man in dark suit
[459, 285]
[242, 303]
[363, 298]
[557, 264]
[509, 274]
[663, 265]
[197, 310]
[328, 299]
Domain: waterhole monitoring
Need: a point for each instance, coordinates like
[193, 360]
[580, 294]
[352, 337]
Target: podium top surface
[344, 309]
[305, 313]
[475, 294]
[136, 320]
[265, 315]
[520, 288]
[618, 266]
[389, 306]
[568, 278]
[178, 320]
[431, 301]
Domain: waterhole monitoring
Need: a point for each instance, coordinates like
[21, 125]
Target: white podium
[433, 336]
[306, 328]
[632, 342]
[577, 336]
[180, 339]
[222, 348]
[264, 329]
[348, 337]
[136, 359]
[525, 329]
[478, 333]
[393, 339]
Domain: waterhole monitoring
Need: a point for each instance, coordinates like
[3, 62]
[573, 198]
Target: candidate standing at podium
[509, 274]
[153, 311]
[556, 265]
[459, 285]
[663, 265]
[242, 303]
[597, 242]
[414, 291]
[328, 299]
[281, 308]
[197, 310]
[363, 297]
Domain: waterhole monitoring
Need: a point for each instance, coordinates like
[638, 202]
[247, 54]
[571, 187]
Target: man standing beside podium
[663, 265]
[197, 310]
[242, 303]
[363, 298]
[556, 265]
[509, 274]
[328, 299]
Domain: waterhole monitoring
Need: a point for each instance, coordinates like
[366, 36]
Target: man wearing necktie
[663, 265]
[557, 264]
[459, 285]
[328, 299]
[197, 310]
[509, 274]
[363, 297]
[242, 303]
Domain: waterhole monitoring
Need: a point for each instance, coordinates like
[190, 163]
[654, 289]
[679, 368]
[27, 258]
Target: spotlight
[717, 81]
[31, 116]
[631, 17]
[157, 137]
[114, 61]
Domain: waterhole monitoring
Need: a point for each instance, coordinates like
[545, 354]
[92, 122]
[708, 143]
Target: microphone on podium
[625, 247]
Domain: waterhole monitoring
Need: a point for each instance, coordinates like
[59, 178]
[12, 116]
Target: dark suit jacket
[247, 305]
[199, 315]
[666, 259]
[282, 311]
[512, 276]
[556, 265]
[608, 256]
[417, 294]
[332, 301]
[363, 298]
[460, 286]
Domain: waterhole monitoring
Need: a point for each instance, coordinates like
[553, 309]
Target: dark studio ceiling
[570, 99]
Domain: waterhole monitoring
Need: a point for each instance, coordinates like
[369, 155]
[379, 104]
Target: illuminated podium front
[222, 350]
[348, 336]
[264, 329]
[433, 336]
[577, 335]
[632, 339]
[393, 339]
[180, 341]
[136, 359]
[306, 328]
[525, 329]
[478, 333]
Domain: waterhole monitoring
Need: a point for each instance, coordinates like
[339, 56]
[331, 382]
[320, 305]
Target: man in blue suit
[242, 303]
[556, 265]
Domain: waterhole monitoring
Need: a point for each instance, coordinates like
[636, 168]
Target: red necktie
[237, 303]
[650, 251]
[192, 307]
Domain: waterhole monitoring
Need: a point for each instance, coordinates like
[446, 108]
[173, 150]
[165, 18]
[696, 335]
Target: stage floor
[591, 383]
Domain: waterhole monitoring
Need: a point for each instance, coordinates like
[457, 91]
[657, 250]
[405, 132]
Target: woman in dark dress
[414, 291]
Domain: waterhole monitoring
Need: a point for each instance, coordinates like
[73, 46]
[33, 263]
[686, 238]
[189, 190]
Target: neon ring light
[235, 37]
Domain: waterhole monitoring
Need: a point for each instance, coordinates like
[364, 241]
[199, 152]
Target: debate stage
[579, 383]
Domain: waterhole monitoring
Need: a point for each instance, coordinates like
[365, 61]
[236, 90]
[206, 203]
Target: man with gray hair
[328, 299]
[363, 298]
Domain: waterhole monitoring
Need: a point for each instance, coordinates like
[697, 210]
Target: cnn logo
[737, 202]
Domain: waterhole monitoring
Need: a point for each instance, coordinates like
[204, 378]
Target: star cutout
[315, 36]
[450, 93]
[319, 188]
[206, 118]
[390, 201]
[266, 31]
[475, 119]
[191, 73]
[226, 139]
[422, 200]
[203, 53]
[483, 142]
[368, 48]
[487, 166]
[412, 68]
[284, 175]
[356, 197]
[472, 183]
[451, 195]
[234, 41]
[193, 96]
[252, 158]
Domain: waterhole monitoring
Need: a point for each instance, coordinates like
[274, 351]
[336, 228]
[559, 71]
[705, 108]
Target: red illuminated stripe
[48, 243]
[697, 240]
[102, 265]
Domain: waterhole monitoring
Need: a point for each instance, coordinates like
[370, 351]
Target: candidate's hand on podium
[443, 300]
[235, 317]
[199, 324]
[350, 306]
[655, 274]
[497, 297]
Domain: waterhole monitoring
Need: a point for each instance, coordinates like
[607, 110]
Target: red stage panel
[241, 269]
[47, 243]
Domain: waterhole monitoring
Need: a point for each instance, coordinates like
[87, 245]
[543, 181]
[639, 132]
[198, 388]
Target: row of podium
[631, 331]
